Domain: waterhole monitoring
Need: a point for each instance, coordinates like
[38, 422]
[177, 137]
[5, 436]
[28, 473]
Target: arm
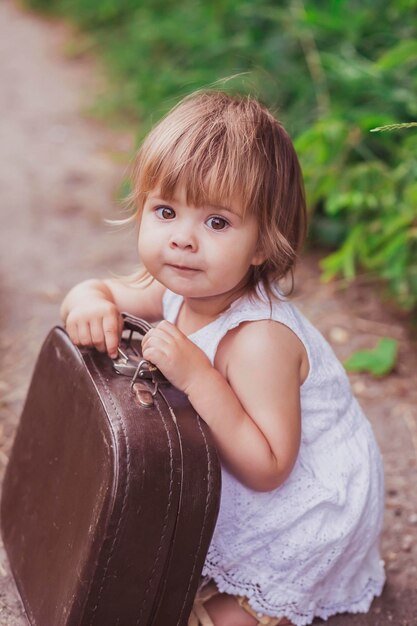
[91, 310]
[250, 400]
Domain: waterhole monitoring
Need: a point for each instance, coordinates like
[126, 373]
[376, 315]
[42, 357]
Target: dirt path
[59, 173]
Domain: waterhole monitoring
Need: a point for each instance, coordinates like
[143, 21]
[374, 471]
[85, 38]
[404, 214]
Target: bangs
[204, 182]
[213, 155]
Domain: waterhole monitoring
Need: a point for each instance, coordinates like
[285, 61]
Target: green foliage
[379, 361]
[394, 127]
[332, 70]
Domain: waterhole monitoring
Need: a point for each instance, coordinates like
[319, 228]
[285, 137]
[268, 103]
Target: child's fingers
[169, 329]
[111, 335]
[156, 338]
[97, 335]
[72, 331]
[156, 346]
[84, 335]
[155, 355]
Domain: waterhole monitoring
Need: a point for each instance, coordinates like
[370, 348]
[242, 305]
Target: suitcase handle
[130, 322]
[135, 366]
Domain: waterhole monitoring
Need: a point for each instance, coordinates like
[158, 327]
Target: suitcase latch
[133, 367]
[143, 394]
[138, 369]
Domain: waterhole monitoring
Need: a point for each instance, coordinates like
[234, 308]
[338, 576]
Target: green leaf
[378, 361]
[404, 52]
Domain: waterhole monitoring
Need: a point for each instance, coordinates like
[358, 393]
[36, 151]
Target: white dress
[310, 547]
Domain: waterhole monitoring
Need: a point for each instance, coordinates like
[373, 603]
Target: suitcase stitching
[171, 482]
[110, 397]
[108, 392]
[208, 498]
[173, 537]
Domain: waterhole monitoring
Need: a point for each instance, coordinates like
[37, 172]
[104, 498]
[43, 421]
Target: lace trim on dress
[292, 610]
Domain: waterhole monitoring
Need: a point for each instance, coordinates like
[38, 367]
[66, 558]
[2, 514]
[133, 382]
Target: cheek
[147, 232]
[146, 245]
[231, 262]
[141, 243]
[241, 253]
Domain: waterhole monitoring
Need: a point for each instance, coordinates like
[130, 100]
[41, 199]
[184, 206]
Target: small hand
[178, 358]
[97, 324]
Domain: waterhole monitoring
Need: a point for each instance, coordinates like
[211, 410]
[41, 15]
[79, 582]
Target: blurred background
[81, 82]
[332, 71]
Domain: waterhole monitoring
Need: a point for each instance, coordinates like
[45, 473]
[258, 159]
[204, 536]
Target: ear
[258, 258]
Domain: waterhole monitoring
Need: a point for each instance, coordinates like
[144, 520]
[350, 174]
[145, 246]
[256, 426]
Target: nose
[184, 239]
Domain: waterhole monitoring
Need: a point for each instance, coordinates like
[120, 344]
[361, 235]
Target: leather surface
[108, 508]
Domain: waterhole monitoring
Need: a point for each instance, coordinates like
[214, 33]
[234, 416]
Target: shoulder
[263, 344]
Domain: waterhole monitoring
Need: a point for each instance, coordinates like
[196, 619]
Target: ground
[60, 171]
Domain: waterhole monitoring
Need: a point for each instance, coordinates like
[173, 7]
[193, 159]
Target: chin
[187, 291]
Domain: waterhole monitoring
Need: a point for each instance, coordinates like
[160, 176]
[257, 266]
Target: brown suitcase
[111, 493]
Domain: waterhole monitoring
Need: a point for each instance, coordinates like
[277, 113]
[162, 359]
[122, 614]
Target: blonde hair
[222, 147]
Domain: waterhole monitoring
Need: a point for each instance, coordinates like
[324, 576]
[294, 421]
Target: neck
[197, 312]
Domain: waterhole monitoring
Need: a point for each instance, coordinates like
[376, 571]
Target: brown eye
[217, 223]
[165, 213]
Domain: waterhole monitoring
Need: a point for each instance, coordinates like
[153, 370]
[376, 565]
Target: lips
[183, 268]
